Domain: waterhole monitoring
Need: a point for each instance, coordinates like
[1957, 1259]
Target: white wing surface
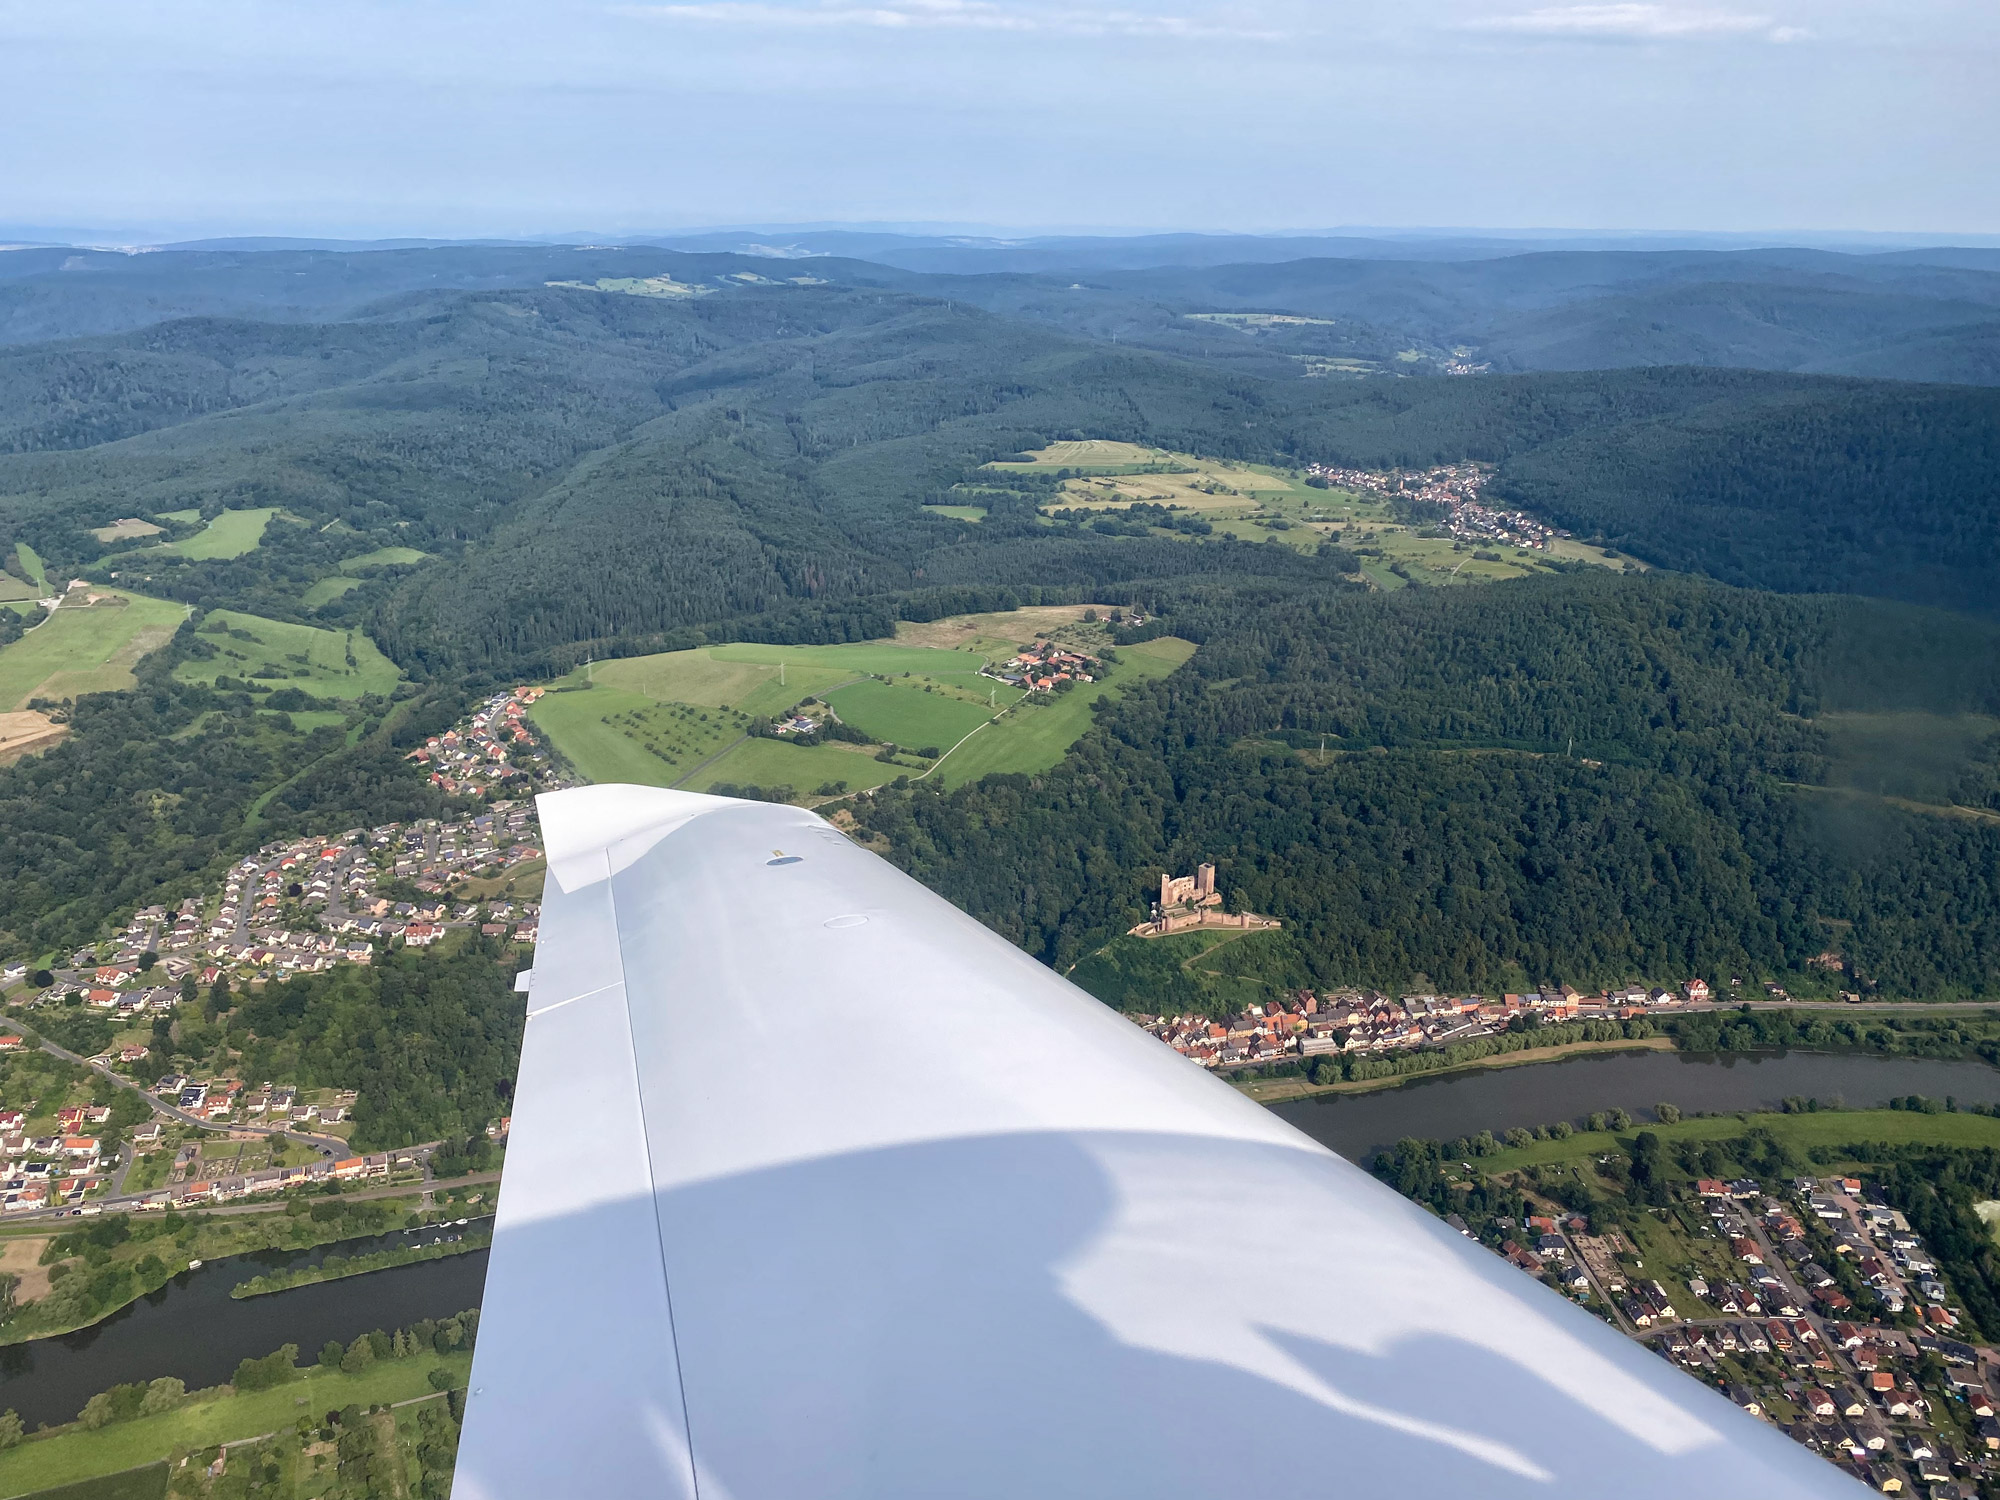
[818, 1190]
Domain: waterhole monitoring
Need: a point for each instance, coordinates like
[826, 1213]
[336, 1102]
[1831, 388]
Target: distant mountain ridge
[1929, 314]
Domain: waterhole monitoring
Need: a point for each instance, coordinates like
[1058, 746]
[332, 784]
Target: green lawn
[707, 679]
[327, 590]
[383, 557]
[1893, 1127]
[31, 564]
[959, 512]
[86, 650]
[313, 659]
[804, 768]
[637, 722]
[231, 534]
[1032, 739]
[614, 734]
[576, 723]
[75, 1454]
[15, 588]
[898, 713]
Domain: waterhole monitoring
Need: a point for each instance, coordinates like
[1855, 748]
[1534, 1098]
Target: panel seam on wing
[652, 1191]
[559, 1004]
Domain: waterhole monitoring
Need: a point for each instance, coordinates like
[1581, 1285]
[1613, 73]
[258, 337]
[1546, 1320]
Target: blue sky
[449, 117]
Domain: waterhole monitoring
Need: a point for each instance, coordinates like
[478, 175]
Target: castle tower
[1205, 880]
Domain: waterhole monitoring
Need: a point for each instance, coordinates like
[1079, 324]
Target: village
[491, 752]
[1353, 1022]
[1454, 489]
[1888, 1393]
[304, 905]
[1046, 668]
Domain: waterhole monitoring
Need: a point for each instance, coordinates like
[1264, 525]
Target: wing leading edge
[818, 1190]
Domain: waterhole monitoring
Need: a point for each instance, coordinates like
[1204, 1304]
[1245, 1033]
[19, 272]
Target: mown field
[86, 649]
[1035, 737]
[325, 663]
[639, 720]
[383, 557]
[230, 534]
[898, 713]
[804, 768]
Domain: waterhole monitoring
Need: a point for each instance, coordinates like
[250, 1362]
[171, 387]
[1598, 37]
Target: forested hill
[1578, 779]
[595, 472]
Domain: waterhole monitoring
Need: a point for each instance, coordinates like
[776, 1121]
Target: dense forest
[596, 473]
[1581, 779]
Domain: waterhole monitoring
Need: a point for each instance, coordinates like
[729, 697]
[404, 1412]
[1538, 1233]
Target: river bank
[337, 1267]
[194, 1330]
[1441, 1106]
[1276, 1090]
[222, 1415]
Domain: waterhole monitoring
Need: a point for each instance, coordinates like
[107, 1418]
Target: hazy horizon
[364, 119]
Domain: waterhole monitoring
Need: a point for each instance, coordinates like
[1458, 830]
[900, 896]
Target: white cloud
[1640, 22]
[955, 15]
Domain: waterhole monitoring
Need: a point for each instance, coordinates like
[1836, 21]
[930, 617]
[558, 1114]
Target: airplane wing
[819, 1190]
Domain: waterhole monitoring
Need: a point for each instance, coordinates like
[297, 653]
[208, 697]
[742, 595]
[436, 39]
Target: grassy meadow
[325, 663]
[86, 649]
[230, 534]
[679, 718]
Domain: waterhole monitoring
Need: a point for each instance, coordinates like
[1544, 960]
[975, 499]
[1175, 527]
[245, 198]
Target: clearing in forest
[326, 590]
[1263, 503]
[86, 647]
[274, 654]
[25, 733]
[681, 718]
[384, 557]
[124, 529]
[230, 534]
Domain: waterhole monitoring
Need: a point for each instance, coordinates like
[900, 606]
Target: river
[193, 1328]
[1496, 1099]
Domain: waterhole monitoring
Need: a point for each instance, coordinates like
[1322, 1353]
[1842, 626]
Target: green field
[638, 721]
[383, 557]
[85, 650]
[897, 713]
[1892, 1127]
[12, 588]
[327, 590]
[31, 564]
[178, 517]
[1260, 503]
[231, 534]
[804, 768]
[707, 679]
[959, 512]
[304, 656]
[76, 1454]
[1034, 737]
[613, 734]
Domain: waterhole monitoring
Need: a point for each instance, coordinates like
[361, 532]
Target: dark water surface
[194, 1329]
[1358, 1125]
